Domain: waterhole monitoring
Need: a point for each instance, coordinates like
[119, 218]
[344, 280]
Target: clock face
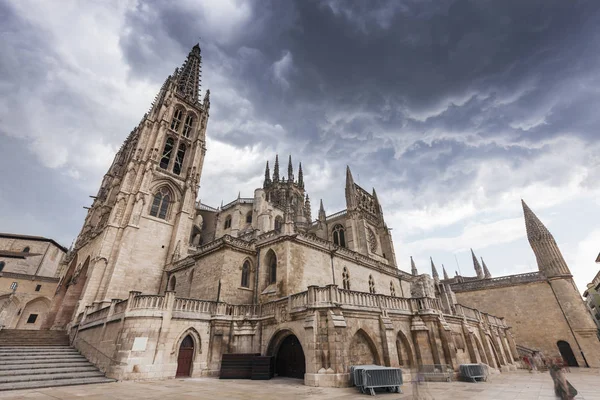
[372, 240]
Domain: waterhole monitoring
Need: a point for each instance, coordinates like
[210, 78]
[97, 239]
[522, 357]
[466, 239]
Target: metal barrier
[473, 371]
[369, 377]
[432, 372]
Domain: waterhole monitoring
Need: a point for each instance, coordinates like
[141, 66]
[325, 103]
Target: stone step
[67, 368]
[34, 359]
[47, 377]
[9, 349]
[53, 383]
[56, 364]
[37, 351]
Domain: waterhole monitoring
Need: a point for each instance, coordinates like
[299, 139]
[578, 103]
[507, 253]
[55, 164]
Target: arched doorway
[405, 358]
[363, 350]
[289, 359]
[33, 314]
[185, 357]
[567, 353]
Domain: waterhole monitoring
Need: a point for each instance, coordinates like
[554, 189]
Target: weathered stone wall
[535, 315]
[44, 260]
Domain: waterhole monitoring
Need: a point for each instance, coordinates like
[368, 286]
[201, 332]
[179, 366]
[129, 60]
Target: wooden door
[567, 353]
[185, 357]
[290, 359]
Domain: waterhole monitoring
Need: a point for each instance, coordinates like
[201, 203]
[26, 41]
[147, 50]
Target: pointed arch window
[278, 224]
[160, 204]
[272, 266]
[371, 284]
[346, 279]
[177, 116]
[392, 289]
[2, 264]
[246, 274]
[249, 217]
[179, 159]
[339, 235]
[166, 156]
[172, 283]
[227, 222]
[187, 126]
[26, 249]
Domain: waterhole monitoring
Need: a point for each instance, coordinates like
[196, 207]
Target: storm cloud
[453, 110]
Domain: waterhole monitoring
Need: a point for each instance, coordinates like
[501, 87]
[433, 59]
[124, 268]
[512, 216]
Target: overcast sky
[452, 110]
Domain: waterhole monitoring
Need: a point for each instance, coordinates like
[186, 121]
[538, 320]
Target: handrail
[78, 339]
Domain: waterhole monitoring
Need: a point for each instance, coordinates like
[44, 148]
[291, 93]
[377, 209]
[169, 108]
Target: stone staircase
[37, 359]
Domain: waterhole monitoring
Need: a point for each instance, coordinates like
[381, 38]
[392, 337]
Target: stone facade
[544, 308]
[30, 267]
[592, 298]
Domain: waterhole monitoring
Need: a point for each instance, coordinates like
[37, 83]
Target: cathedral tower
[142, 216]
[549, 258]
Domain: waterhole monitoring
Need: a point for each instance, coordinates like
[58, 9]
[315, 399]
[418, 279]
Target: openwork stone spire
[322, 216]
[477, 266]
[276, 169]
[188, 78]
[267, 181]
[549, 258]
[486, 271]
[300, 176]
[290, 170]
[434, 272]
[413, 267]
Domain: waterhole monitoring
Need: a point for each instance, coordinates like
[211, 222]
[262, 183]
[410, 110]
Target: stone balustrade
[315, 297]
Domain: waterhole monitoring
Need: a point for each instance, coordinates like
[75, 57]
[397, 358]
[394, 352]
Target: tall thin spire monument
[549, 258]
[148, 194]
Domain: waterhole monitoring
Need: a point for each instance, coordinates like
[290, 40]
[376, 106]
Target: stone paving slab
[519, 385]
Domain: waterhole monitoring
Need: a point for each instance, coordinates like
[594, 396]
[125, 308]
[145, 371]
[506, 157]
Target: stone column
[420, 334]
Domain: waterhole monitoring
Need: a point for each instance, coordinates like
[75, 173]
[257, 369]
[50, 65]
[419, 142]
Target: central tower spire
[188, 78]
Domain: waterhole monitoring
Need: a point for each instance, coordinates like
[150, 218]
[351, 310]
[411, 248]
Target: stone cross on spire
[413, 267]
[549, 258]
[188, 77]
[477, 266]
[434, 272]
[486, 271]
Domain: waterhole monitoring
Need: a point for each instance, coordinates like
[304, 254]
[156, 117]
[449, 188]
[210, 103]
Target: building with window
[30, 267]
[592, 298]
[159, 285]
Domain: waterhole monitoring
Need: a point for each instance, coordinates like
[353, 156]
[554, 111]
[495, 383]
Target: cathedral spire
[549, 258]
[322, 216]
[300, 177]
[290, 170]
[307, 209]
[351, 203]
[413, 267]
[188, 77]
[267, 181]
[486, 271]
[434, 272]
[445, 273]
[276, 169]
[477, 266]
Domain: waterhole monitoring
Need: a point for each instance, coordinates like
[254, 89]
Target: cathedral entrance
[567, 353]
[185, 357]
[289, 360]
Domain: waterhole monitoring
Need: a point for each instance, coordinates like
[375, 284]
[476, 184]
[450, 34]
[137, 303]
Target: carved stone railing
[149, 302]
[120, 307]
[498, 282]
[97, 315]
[194, 305]
[315, 297]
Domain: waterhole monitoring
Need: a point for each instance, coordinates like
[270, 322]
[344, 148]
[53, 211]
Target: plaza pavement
[519, 385]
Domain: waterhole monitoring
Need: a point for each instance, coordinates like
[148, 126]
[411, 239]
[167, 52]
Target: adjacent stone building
[159, 285]
[592, 299]
[30, 267]
[544, 308]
